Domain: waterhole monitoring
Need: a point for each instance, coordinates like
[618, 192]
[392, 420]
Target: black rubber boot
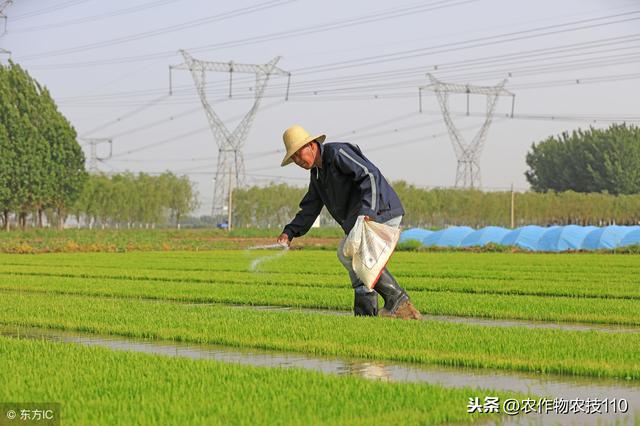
[365, 302]
[391, 292]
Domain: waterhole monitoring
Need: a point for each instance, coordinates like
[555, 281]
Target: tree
[67, 174]
[7, 161]
[596, 160]
[181, 197]
[42, 165]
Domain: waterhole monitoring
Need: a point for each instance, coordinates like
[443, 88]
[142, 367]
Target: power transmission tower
[467, 153]
[230, 144]
[3, 18]
[93, 160]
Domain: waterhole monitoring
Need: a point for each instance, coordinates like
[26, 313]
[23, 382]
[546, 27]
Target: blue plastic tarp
[535, 238]
[631, 239]
[484, 236]
[449, 237]
[563, 238]
[608, 237]
[526, 237]
[417, 234]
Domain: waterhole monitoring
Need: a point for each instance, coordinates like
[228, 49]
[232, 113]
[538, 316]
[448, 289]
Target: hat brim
[287, 158]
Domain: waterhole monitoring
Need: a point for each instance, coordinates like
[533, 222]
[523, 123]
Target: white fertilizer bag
[370, 245]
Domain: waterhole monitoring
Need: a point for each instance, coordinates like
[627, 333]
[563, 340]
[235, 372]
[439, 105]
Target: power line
[364, 88]
[318, 68]
[373, 126]
[350, 93]
[262, 154]
[412, 53]
[94, 18]
[577, 81]
[394, 130]
[539, 55]
[213, 173]
[473, 43]
[49, 9]
[369, 148]
[161, 31]
[452, 46]
[602, 62]
[524, 86]
[128, 115]
[337, 96]
[181, 136]
[163, 141]
[164, 160]
[580, 118]
[156, 123]
[411, 141]
[529, 56]
[390, 145]
[251, 157]
[306, 30]
[258, 155]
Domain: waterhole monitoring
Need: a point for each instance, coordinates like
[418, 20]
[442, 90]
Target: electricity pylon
[467, 153]
[93, 159]
[3, 17]
[230, 163]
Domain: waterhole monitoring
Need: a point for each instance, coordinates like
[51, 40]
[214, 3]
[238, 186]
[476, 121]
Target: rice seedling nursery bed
[188, 296]
[591, 288]
[107, 387]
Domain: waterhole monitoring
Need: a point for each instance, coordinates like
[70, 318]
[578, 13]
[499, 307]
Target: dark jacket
[349, 185]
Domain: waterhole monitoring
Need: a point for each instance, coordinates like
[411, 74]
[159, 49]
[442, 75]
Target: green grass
[109, 387]
[577, 288]
[604, 311]
[235, 270]
[134, 294]
[587, 353]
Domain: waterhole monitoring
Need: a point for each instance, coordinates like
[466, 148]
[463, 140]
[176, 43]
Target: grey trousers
[346, 261]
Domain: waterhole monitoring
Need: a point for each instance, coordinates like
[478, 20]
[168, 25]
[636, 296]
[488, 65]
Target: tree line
[275, 205]
[444, 207]
[133, 200]
[271, 206]
[128, 200]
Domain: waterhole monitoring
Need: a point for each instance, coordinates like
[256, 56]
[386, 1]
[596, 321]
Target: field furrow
[510, 348]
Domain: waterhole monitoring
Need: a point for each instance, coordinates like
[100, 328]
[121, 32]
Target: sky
[355, 69]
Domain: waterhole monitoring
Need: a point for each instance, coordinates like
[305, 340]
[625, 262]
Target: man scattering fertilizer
[350, 186]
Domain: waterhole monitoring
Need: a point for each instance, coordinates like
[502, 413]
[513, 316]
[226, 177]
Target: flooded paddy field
[547, 331]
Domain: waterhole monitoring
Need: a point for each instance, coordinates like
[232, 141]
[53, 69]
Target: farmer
[349, 185]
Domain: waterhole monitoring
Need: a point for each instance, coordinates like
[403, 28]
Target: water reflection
[566, 387]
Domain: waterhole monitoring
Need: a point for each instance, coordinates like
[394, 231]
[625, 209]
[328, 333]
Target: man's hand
[284, 240]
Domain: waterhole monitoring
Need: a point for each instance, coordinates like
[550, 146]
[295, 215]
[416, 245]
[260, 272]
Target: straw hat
[295, 137]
